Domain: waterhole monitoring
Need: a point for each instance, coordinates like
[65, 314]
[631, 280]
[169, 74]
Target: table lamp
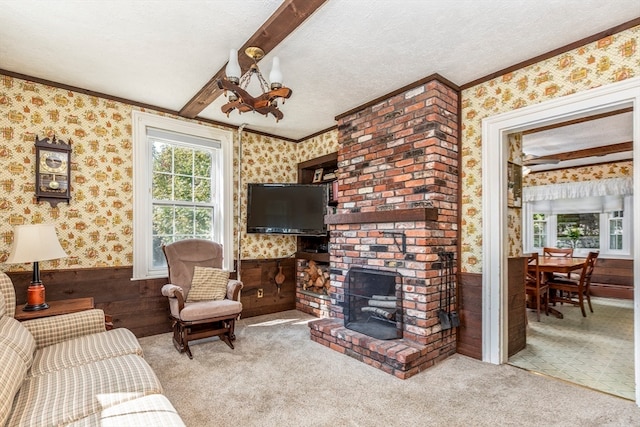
[35, 243]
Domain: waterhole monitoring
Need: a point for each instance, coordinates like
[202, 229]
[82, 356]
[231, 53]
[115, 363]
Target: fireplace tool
[443, 314]
[451, 287]
[448, 318]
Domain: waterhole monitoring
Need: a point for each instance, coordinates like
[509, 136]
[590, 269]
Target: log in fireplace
[373, 303]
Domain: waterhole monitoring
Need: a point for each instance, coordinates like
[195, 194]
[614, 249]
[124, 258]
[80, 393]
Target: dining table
[548, 265]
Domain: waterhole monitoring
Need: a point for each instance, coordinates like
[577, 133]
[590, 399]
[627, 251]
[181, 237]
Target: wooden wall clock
[53, 171]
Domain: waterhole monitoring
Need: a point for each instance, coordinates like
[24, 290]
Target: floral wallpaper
[96, 227]
[317, 146]
[266, 160]
[514, 214]
[587, 173]
[270, 160]
[608, 60]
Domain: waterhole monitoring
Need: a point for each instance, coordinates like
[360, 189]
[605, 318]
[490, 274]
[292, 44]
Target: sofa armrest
[51, 330]
[233, 289]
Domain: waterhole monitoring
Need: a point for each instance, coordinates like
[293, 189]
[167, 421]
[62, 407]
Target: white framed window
[616, 229]
[540, 230]
[182, 188]
[607, 232]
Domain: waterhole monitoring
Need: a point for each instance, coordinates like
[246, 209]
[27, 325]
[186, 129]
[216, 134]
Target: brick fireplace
[397, 210]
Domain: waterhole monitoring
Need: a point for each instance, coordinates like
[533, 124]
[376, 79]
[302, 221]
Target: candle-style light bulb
[275, 76]
[233, 71]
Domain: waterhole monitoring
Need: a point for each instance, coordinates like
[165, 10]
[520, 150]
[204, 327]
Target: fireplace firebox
[373, 303]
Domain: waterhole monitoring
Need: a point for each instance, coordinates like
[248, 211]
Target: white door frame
[494, 200]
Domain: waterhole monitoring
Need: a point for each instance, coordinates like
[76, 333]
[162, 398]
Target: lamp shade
[275, 76]
[233, 70]
[33, 243]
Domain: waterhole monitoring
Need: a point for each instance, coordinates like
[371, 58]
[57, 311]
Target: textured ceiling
[346, 54]
[590, 134]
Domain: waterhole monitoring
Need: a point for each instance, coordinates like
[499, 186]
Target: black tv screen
[287, 209]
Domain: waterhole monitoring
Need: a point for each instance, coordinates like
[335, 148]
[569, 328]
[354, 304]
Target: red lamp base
[35, 298]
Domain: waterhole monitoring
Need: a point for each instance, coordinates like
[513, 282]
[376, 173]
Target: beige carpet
[277, 376]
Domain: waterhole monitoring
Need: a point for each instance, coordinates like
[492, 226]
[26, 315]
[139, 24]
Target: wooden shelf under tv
[313, 256]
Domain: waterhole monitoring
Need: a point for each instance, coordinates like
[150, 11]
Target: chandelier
[235, 87]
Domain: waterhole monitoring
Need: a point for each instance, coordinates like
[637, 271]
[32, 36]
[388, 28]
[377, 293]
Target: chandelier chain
[244, 81]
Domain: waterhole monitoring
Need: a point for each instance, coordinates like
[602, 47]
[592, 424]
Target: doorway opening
[494, 135]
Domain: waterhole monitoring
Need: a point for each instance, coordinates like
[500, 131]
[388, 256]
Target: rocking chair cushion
[208, 284]
[201, 310]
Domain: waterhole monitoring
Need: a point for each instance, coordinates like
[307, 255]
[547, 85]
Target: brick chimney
[397, 210]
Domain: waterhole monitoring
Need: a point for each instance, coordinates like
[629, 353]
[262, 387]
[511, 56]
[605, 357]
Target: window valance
[574, 190]
[606, 195]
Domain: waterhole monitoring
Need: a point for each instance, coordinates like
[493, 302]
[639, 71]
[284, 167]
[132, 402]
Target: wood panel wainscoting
[138, 305]
[470, 312]
[260, 294]
[517, 333]
[612, 278]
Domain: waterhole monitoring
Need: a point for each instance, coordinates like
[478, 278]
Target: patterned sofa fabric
[68, 370]
[85, 349]
[67, 395]
[49, 330]
[12, 372]
[151, 410]
[16, 356]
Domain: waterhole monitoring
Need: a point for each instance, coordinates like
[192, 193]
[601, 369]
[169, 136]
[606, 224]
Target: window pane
[183, 188]
[183, 161]
[202, 164]
[204, 222]
[615, 242]
[615, 233]
[162, 157]
[202, 190]
[162, 186]
[184, 221]
[579, 230]
[162, 220]
[158, 259]
[539, 230]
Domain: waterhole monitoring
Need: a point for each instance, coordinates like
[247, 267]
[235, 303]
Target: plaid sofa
[70, 371]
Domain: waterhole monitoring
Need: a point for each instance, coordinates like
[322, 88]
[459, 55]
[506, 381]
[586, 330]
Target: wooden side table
[57, 308]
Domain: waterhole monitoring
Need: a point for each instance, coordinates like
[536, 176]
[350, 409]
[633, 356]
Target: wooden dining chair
[533, 284]
[559, 252]
[575, 291]
[562, 252]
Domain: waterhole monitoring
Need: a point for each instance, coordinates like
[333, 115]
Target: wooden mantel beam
[289, 16]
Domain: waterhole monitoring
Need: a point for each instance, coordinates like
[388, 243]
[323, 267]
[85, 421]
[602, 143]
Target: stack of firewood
[316, 279]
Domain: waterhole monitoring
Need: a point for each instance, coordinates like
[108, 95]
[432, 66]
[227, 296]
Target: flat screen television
[297, 209]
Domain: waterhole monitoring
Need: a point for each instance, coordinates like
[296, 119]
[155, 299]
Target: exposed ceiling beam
[283, 22]
[580, 154]
[580, 120]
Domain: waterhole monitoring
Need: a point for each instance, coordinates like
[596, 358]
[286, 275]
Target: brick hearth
[402, 358]
[397, 173]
